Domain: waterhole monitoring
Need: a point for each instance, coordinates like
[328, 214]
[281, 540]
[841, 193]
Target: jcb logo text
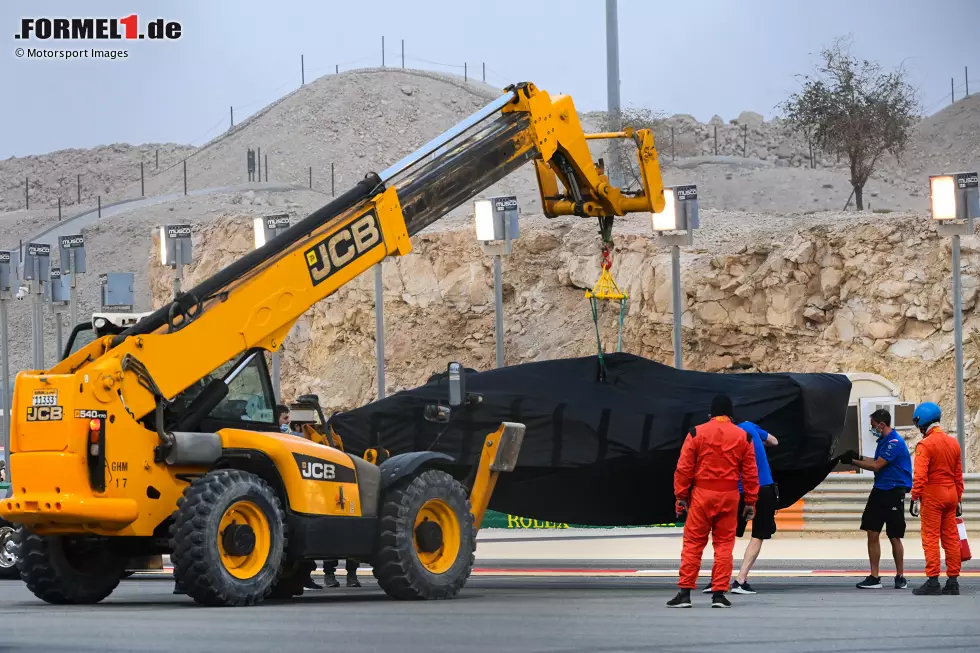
[44, 413]
[318, 471]
[343, 247]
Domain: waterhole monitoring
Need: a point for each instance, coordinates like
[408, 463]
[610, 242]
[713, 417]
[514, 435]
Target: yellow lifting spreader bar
[606, 288]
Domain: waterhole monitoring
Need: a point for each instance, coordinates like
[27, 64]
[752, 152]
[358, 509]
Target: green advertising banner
[494, 519]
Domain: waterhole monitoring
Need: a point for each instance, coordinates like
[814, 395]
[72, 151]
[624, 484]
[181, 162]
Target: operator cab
[102, 324]
[237, 395]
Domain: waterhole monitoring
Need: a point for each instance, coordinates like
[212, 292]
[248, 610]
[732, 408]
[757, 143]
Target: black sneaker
[929, 588]
[952, 586]
[901, 583]
[682, 600]
[329, 580]
[311, 584]
[719, 600]
[352, 581]
[742, 588]
[707, 590]
[870, 583]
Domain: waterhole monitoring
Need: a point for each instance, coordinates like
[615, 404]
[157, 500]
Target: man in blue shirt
[764, 522]
[892, 466]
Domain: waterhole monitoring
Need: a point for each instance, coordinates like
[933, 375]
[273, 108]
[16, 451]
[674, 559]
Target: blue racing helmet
[926, 413]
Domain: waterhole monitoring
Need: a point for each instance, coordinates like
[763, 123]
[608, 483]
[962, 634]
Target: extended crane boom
[179, 404]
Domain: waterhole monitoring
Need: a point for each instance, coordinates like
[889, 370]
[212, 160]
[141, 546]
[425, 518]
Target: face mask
[875, 432]
[284, 428]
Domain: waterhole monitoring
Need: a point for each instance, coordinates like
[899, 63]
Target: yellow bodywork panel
[53, 491]
[319, 480]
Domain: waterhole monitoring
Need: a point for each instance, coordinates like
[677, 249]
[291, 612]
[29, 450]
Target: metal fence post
[403, 53]
[311, 177]
[185, 176]
[332, 191]
[231, 114]
[484, 71]
[100, 207]
[258, 163]
[745, 141]
[59, 209]
[267, 167]
[158, 159]
[27, 194]
[716, 140]
[673, 152]
[382, 52]
[336, 69]
[302, 71]
[79, 182]
[142, 183]
[952, 91]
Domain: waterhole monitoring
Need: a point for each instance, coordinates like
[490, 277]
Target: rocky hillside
[865, 295]
[109, 170]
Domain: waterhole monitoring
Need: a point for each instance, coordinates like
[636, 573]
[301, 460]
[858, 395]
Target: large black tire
[197, 539]
[66, 570]
[398, 565]
[8, 551]
[292, 579]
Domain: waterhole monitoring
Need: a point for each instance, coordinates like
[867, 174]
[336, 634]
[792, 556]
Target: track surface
[515, 614]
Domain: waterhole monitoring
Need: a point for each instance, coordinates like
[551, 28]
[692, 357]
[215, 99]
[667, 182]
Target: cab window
[250, 397]
[81, 335]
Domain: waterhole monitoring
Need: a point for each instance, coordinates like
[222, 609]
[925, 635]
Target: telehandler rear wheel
[65, 569]
[8, 550]
[228, 539]
[427, 538]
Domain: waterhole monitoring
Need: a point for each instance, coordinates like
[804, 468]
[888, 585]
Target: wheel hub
[8, 554]
[238, 540]
[428, 537]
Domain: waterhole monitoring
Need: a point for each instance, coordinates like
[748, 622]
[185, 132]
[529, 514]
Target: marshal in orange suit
[938, 484]
[714, 456]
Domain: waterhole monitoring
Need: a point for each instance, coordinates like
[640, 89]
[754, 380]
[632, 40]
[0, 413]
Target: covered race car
[603, 452]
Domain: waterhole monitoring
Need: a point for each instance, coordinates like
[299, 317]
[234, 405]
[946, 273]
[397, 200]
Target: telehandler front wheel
[67, 569]
[228, 539]
[427, 538]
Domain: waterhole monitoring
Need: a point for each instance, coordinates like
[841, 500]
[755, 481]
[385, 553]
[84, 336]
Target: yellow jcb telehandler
[163, 438]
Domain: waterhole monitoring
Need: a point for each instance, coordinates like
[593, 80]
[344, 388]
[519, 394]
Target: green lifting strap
[594, 303]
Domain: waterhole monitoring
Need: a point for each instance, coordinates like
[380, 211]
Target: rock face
[868, 297]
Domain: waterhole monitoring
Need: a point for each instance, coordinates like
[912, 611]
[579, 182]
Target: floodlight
[483, 216]
[954, 196]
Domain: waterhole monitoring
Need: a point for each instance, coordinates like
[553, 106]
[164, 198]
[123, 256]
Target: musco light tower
[188, 404]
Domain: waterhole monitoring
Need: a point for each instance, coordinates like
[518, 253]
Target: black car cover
[604, 452]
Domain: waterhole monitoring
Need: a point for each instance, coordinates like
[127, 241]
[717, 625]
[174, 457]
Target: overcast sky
[702, 57]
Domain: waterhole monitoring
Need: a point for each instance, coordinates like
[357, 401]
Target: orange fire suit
[938, 482]
[713, 457]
